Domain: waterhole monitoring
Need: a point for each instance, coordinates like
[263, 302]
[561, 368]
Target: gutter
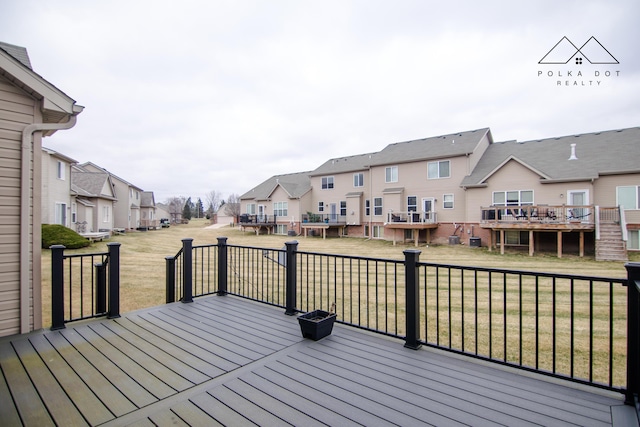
[25, 211]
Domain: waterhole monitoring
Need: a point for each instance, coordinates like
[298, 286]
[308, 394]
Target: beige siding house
[58, 207]
[277, 204]
[575, 193]
[30, 109]
[126, 208]
[95, 198]
[148, 217]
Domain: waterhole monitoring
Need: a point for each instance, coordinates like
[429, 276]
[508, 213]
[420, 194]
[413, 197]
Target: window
[377, 231]
[367, 207]
[281, 229]
[251, 208]
[320, 206]
[61, 214]
[131, 192]
[447, 201]
[327, 182]
[412, 203]
[628, 197]
[437, 170]
[280, 208]
[513, 198]
[60, 171]
[377, 205]
[358, 180]
[106, 213]
[391, 174]
[513, 237]
[74, 213]
[343, 208]
[634, 240]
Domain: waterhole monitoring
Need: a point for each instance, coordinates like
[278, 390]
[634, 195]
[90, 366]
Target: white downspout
[25, 199]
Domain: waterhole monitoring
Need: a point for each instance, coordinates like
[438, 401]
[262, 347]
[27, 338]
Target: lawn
[142, 258]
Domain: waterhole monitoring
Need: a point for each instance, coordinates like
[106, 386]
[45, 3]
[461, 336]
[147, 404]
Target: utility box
[474, 242]
[454, 240]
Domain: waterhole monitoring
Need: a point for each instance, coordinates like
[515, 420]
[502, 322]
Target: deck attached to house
[229, 361]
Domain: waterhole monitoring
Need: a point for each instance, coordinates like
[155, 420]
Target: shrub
[54, 234]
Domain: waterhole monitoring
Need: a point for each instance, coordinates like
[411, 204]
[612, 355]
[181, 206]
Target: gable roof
[92, 167]
[437, 147]
[295, 185]
[90, 184]
[599, 153]
[15, 66]
[60, 156]
[147, 199]
[355, 163]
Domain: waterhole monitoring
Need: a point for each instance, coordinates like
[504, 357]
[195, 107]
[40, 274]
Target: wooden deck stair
[610, 246]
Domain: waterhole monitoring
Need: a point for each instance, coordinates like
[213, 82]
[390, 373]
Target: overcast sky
[182, 98]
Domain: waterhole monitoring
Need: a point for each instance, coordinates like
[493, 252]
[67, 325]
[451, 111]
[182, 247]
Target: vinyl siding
[16, 112]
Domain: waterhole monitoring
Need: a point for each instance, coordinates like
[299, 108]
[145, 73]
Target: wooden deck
[228, 361]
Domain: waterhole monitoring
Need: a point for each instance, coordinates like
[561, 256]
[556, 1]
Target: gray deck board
[230, 361]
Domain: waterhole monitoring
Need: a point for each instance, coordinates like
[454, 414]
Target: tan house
[126, 207]
[277, 204]
[95, 197]
[578, 193]
[58, 206]
[32, 108]
[148, 217]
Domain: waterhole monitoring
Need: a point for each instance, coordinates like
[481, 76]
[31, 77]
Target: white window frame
[251, 209]
[512, 202]
[377, 207]
[61, 171]
[327, 183]
[281, 208]
[391, 174]
[448, 201]
[636, 191]
[434, 169]
[412, 207]
[106, 213]
[320, 206]
[61, 213]
[343, 208]
[358, 179]
[367, 207]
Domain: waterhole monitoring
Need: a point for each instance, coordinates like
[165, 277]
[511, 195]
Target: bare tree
[213, 199]
[176, 204]
[232, 207]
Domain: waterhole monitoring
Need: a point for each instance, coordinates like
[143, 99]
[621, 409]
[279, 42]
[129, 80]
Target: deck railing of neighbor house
[568, 326]
[544, 214]
[324, 218]
[84, 286]
[412, 217]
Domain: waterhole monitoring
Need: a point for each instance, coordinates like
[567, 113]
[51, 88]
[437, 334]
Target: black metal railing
[568, 326]
[539, 214]
[84, 286]
[323, 218]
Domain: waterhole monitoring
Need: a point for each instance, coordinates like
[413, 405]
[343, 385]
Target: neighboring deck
[225, 360]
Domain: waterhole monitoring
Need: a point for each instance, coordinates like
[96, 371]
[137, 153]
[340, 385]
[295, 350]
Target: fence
[568, 326]
[88, 283]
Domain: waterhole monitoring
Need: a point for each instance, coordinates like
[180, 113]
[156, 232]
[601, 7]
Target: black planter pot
[316, 324]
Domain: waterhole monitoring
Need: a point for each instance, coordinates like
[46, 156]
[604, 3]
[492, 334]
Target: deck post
[57, 287]
[291, 278]
[170, 279]
[412, 299]
[633, 332]
[222, 265]
[101, 287]
[114, 280]
[187, 270]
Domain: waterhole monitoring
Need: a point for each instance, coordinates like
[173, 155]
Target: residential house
[568, 191]
[31, 109]
[148, 216]
[126, 208]
[58, 207]
[277, 204]
[95, 197]
[162, 211]
[577, 193]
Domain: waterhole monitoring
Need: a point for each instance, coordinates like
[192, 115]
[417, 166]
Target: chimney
[573, 152]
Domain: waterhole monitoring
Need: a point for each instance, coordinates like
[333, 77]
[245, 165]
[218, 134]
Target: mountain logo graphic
[565, 51]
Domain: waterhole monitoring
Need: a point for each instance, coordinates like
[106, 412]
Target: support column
[412, 299]
[581, 244]
[501, 242]
[531, 245]
[559, 244]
